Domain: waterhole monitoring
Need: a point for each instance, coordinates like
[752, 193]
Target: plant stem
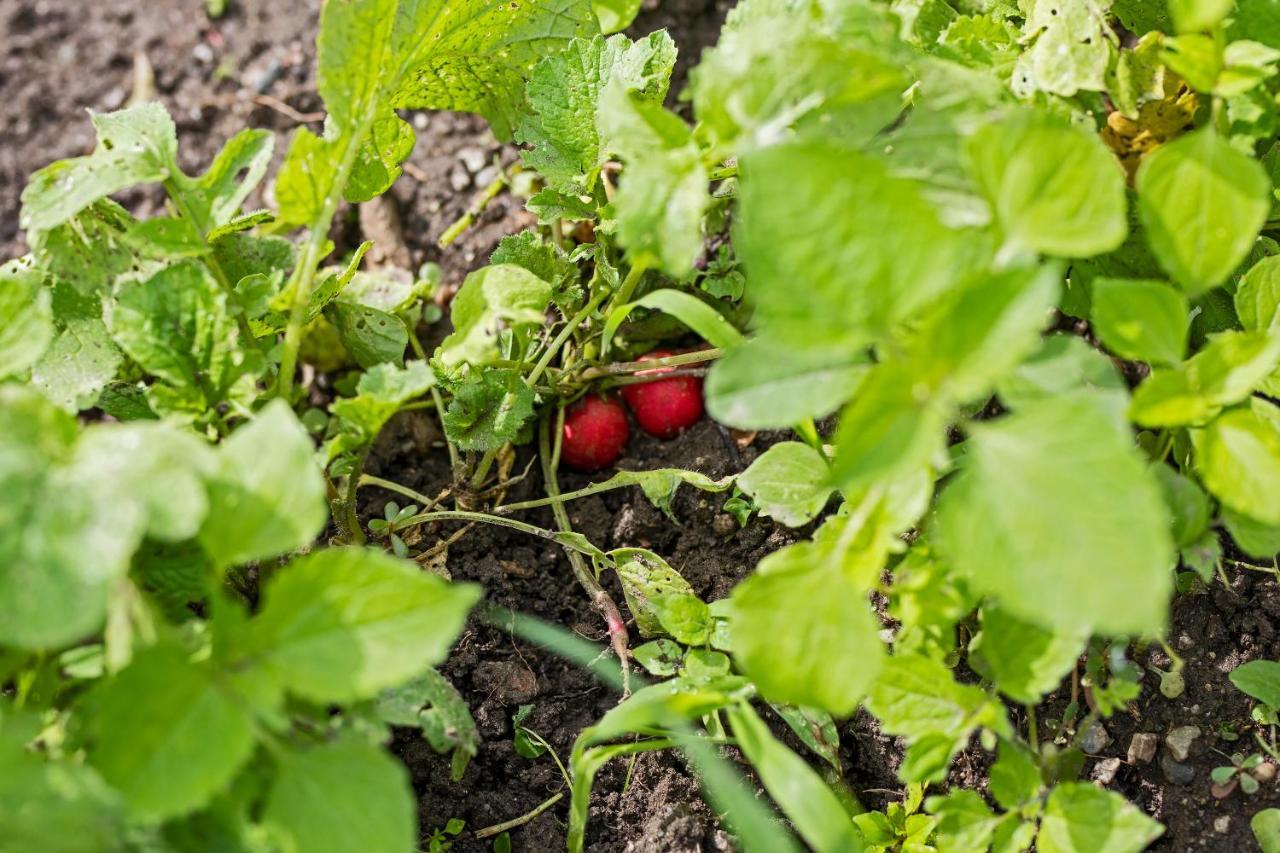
[453, 451]
[351, 521]
[519, 821]
[482, 468]
[403, 491]
[465, 221]
[304, 275]
[624, 367]
[1033, 729]
[617, 628]
[628, 287]
[723, 172]
[587, 491]
[485, 518]
[543, 363]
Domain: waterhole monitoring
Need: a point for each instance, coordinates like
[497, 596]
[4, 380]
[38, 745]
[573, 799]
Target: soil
[253, 67]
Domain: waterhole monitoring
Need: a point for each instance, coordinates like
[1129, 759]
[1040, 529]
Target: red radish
[665, 407]
[595, 432]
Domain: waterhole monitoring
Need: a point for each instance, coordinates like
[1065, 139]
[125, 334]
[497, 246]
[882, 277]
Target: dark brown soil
[62, 57]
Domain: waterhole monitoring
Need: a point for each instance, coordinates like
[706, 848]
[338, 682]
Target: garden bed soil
[254, 68]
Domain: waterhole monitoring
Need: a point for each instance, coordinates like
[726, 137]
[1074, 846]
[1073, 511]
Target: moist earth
[254, 68]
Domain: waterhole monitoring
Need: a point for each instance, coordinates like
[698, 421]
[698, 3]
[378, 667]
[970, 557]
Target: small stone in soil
[1179, 741]
[1104, 772]
[1095, 739]
[1178, 774]
[1222, 825]
[1143, 748]
[509, 682]
[723, 524]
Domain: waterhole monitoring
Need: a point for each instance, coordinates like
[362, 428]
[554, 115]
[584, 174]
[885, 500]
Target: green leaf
[917, 698]
[829, 657]
[1257, 298]
[689, 309]
[267, 494]
[762, 385]
[646, 581]
[805, 798]
[1260, 679]
[1266, 829]
[1081, 818]
[308, 170]
[389, 143]
[564, 101]
[371, 335]
[490, 299]
[1254, 537]
[965, 821]
[889, 429]
[1198, 15]
[970, 338]
[433, 705]
[26, 318]
[1015, 777]
[347, 623]
[1202, 203]
[1071, 51]
[615, 15]
[160, 467]
[1225, 372]
[177, 326]
[342, 796]
[836, 221]
[1057, 517]
[1023, 659]
[664, 188]
[78, 364]
[789, 482]
[1189, 506]
[1141, 320]
[380, 393]
[57, 507]
[135, 146]
[489, 412]
[170, 734]
[237, 169]
[56, 806]
[781, 67]
[1238, 457]
[1053, 188]
[1064, 364]
[474, 55]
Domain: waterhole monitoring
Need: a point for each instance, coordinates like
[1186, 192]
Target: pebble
[1179, 741]
[1222, 825]
[1095, 739]
[487, 176]
[1178, 774]
[1104, 772]
[1143, 747]
[723, 524]
[202, 53]
[473, 158]
[459, 179]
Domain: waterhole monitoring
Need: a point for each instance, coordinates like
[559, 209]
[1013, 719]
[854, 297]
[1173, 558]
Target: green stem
[623, 367]
[1033, 729]
[485, 518]
[304, 274]
[499, 828]
[449, 445]
[723, 172]
[403, 491]
[482, 468]
[351, 521]
[628, 286]
[808, 433]
[465, 221]
[543, 363]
